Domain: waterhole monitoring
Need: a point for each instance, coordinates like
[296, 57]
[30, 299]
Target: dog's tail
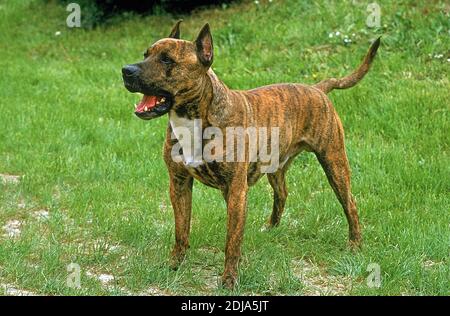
[349, 81]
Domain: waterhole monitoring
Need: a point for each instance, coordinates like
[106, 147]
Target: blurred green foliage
[96, 12]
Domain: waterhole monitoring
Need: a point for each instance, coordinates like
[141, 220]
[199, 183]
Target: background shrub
[95, 12]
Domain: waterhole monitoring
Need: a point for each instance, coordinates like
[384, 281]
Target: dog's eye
[145, 55]
[165, 59]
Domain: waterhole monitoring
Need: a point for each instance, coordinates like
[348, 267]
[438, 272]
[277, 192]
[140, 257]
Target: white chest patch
[179, 124]
[189, 135]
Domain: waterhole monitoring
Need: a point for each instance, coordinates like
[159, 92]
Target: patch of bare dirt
[9, 178]
[12, 290]
[153, 291]
[317, 282]
[12, 228]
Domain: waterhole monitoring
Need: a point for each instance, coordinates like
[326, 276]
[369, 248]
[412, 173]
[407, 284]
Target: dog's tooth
[145, 109]
[157, 102]
[163, 99]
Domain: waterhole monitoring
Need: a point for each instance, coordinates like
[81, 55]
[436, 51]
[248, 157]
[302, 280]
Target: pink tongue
[148, 101]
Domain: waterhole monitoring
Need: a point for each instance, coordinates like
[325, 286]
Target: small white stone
[57, 33]
[105, 278]
[114, 248]
[42, 215]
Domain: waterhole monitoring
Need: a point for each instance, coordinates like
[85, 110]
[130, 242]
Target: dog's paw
[355, 244]
[268, 226]
[265, 228]
[174, 264]
[176, 260]
[229, 281]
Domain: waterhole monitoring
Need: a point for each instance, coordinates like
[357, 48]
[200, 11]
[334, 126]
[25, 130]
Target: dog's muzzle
[130, 75]
[154, 103]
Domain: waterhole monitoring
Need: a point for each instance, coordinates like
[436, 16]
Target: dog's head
[171, 66]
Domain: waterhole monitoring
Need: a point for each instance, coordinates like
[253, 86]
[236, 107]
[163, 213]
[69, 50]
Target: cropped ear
[204, 46]
[176, 31]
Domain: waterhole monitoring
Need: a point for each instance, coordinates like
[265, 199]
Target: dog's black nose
[130, 70]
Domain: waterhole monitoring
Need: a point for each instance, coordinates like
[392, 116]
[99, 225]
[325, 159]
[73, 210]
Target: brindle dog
[176, 78]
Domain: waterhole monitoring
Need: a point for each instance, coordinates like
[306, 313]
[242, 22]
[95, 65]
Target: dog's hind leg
[278, 182]
[335, 164]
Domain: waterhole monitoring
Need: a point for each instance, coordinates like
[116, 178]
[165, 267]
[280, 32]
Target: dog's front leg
[236, 197]
[181, 199]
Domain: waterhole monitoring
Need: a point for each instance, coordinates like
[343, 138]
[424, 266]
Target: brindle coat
[305, 115]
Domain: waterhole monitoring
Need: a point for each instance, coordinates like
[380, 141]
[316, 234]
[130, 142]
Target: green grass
[67, 127]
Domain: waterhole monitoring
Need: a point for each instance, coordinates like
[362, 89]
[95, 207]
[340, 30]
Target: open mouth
[152, 106]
